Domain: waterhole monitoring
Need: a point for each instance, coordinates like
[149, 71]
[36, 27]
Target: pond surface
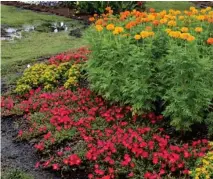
[10, 33]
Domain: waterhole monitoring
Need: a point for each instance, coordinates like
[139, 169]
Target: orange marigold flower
[99, 28]
[155, 22]
[210, 20]
[91, 19]
[198, 29]
[148, 28]
[110, 27]
[110, 11]
[108, 8]
[210, 41]
[151, 10]
[99, 22]
[130, 25]
[137, 37]
[184, 29]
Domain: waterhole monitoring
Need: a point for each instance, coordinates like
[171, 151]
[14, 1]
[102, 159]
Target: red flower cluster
[110, 138]
[78, 56]
[7, 105]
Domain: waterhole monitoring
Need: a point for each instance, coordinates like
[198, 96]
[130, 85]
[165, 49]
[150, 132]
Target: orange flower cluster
[139, 25]
[210, 41]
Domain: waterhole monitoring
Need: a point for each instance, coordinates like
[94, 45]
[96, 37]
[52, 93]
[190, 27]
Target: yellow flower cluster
[118, 30]
[72, 74]
[48, 76]
[172, 23]
[178, 34]
[145, 34]
[204, 168]
[198, 29]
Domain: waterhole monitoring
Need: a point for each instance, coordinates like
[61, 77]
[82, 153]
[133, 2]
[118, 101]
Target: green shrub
[99, 6]
[16, 174]
[141, 61]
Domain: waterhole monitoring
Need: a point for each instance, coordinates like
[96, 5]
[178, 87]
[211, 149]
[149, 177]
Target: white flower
[28, 66]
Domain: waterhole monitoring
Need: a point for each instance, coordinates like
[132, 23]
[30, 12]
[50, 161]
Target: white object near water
[66, 28]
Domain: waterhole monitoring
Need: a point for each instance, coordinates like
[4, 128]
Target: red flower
[147, 175]
[90, 176]
[131, 174]
[186, 171]
[55, 166]
[74, 160]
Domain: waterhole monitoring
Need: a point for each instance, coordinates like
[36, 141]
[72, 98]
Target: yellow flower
[184, 35]
[144, 34]
[172, 23]
[168, 30]
[175, 34]
[181, 17]
[190, 38]
[184, 29]
[137, 37]
[198, 29]
[151, 17]
[197, 169]
[119, 29]
[151, 33]
[200, 17]
[110, 27]
[196, 177]
[192, 8]
[115, 32]
[203, 11]
[99, 28]
[163, 21]
[208, 8]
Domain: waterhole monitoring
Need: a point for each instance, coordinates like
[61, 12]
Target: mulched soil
[22, 155]
[60, 11]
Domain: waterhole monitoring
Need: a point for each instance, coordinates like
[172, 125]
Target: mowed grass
[18, 53]
[34, 45]
[161, 5]
[15, 17]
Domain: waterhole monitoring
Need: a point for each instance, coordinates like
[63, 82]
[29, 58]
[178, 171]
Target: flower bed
[75, 129]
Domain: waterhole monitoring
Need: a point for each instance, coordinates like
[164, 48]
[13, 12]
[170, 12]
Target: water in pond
[9, 33]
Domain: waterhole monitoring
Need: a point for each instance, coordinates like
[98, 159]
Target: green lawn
[18, 53]
[161, 5]
[15, 17]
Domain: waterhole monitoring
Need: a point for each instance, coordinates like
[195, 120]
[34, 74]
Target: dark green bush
[99, 6]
